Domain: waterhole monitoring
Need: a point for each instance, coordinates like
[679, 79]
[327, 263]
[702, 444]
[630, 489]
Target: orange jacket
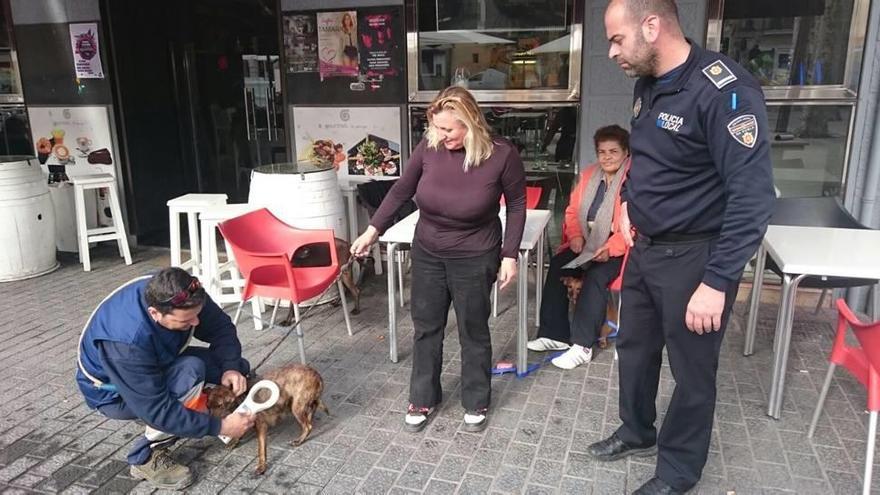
[571, 226]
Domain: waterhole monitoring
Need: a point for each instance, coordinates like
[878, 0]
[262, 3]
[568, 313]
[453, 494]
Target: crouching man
[134, 362]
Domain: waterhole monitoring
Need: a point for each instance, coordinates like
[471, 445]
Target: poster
[86, 51]
[72, 140]
[358, 141]
[338, 53]
[301, 43]
[379, 50]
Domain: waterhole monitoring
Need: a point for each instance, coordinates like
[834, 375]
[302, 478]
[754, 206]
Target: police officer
[699, 195]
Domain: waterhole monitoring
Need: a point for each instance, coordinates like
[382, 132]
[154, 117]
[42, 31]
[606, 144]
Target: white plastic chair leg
[344, 306]
[869, 456]
[82, 234]
[399, 256]
[274, 313]
[237, 313]
[822, 395]
[495, 300]
[875, 309]
[821, 300]
[119, 224]
[299, 333]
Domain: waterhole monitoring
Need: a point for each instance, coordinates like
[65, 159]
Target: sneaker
[573, 357]
[475, 421]
[417, 418]
[163, 472]
[542, 344]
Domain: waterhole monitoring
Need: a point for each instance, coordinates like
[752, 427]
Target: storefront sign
[86, 51]
[358, 141]
[338, 53]
[301, 43]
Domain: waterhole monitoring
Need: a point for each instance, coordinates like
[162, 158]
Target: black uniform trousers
[466, 283]
[658, 283]
[590, 309]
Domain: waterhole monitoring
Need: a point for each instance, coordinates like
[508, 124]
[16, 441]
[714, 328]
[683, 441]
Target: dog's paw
[260, 470]
[356, 311]
[603, 343]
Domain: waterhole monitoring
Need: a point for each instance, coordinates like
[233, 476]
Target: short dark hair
[639, 9]
[612, 133]
[168, 283]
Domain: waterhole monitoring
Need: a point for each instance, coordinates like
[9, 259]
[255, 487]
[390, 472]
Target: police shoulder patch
[744, 130]
[719, 74]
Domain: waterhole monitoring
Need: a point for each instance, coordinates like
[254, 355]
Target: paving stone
[62, 478]
[474, 484]
[452, 468]
[416, 475]
[359, 464]
[321, 472]
[438, 487]
[378, 481]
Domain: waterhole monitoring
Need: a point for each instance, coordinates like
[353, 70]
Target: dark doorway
[198, 97]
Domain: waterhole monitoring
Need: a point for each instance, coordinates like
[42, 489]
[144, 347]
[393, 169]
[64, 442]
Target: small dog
[574, 285]
[318, 255]
[300, 386]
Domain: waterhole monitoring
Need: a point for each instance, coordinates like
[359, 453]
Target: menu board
[345, 56]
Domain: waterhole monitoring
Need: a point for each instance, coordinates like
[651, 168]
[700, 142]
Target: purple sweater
[459, 210]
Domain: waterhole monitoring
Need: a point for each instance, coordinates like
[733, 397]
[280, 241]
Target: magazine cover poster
[301, 43]
[338, 52]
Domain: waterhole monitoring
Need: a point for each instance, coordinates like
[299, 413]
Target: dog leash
[345, 266]
[504, 367]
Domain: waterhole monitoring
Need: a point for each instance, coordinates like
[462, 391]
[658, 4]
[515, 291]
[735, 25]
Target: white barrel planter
[27, 220]
[303, 195]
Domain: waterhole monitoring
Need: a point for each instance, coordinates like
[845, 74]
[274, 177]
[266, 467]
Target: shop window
[809, 147]
[803, 43]
[496, 46]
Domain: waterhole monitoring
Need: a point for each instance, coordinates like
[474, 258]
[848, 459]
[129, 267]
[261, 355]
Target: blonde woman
[457, 175]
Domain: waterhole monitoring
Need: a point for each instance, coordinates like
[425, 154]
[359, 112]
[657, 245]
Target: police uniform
[700, 195]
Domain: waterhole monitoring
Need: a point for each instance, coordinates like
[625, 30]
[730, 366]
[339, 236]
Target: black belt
[673, 238]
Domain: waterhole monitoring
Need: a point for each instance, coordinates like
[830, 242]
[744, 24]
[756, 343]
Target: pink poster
[338, 53]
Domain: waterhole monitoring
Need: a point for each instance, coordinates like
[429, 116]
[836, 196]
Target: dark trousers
[590, 309]
[466, 283]
[194, 367]
[657, 285]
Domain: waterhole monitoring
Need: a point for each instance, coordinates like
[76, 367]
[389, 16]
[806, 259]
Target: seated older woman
[591, 226]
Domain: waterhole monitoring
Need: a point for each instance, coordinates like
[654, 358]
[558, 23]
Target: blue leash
[534, 366]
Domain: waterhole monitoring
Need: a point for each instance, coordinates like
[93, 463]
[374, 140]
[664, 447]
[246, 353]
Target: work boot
[163, 472]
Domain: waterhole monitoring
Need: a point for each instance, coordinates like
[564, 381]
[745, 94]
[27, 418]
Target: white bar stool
[191, 205]
[212, 270]
[116, 232]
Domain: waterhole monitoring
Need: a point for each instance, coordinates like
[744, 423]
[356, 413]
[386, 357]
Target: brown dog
[300, 386]
[319, 255]
[574, 285]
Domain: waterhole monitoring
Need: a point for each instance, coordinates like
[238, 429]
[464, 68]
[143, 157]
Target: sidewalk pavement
[540, 426]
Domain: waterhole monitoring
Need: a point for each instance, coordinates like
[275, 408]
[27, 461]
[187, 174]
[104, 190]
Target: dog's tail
[323, 407]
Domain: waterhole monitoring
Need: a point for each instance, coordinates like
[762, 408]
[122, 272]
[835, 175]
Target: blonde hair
[477, 142]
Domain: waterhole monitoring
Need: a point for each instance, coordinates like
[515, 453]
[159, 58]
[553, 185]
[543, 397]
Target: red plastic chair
[864, 364]
[533, 197]
[262, 246]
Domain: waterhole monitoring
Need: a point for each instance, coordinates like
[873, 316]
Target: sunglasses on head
[184, 295]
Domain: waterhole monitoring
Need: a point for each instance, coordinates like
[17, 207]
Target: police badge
[744, 129]
[637, 107]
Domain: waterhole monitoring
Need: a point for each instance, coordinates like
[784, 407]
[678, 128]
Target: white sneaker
[573, 358]
[542, 344]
